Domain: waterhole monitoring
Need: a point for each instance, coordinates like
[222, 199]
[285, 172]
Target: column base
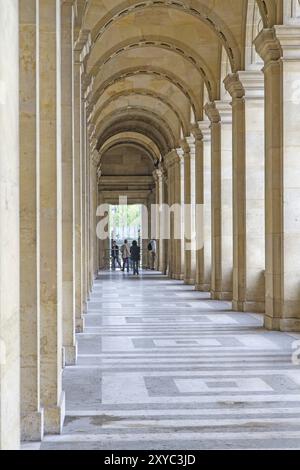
[54, 417]
[271, 323]
[202, 287]
[189, 282]
[32, 426]
[221, 296]
[251, 307]
[177, 277]
[70, 355]
[290, 325]
[84, 307]
[80, 324]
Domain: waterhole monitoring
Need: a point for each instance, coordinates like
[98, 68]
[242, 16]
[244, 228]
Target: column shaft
[221, 164]
[246, 89]
[31, 412]
[203, 197]
[68, 193]
[279, 47]
[9, 227]
[50, 163]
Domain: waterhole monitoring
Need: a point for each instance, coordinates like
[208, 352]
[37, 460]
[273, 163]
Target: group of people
[131, 256]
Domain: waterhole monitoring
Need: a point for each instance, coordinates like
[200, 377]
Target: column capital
[185, 145]
[158, 175]
[204, 127]
[234, 86]
[289, 39]
[197, 133]
[253, 83]
[225, 111]
[170, 158]
[268, 46]
[83, 45]
[212, 113]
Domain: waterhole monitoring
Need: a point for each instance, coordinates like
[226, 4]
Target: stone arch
[134, 138]
[148, 104]
[270, 12]
[197, 10]
[254, 24]
[144, 121]
[160, 72]
[143, 92]
[177, 47]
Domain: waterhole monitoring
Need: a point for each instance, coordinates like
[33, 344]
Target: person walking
[125, 250]
[135, 252]
[152, 248]
[115, 255]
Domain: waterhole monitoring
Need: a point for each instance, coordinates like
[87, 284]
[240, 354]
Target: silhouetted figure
[115, 256]
[125, 250]
[135, 252]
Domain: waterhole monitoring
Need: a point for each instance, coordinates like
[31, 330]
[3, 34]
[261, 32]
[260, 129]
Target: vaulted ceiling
[152, 61]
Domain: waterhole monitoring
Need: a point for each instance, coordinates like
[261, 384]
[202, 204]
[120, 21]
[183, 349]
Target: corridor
[163, 367]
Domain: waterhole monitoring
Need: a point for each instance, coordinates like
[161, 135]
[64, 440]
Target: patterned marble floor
[163, 367]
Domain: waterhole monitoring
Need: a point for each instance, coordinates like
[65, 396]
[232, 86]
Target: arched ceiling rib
[133, 138]
[154, 85]
[139, 120]
[158, 72]
[160, 43]
[149, 105]
[212, 14]
[131, 95]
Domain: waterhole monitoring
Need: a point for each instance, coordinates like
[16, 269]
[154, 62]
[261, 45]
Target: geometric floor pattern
[164, 367]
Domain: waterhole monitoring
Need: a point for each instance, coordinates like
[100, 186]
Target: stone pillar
[93, 209]
[79, 318]
[9, 227]
[280, 49]
[220, 114]
[203, 197]
[169, 164]
[186, 154]
[158, 178]
[178, 235]
[84, 200]
[50, 164]
[164, 259]
[31, 411]
[247, 91]
[68, 190]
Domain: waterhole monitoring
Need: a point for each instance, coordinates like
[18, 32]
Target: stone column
[9, 227]
[50, 164]
[280, 49]
[178, 235]
[158, 178]
[94, 198]
[84, 195]
[169, 164]
[203, 197]
[68, 190]
[186, 155]
[164, 258]
[31, 411]
[247, 91]
[78, 185]
[220, 114]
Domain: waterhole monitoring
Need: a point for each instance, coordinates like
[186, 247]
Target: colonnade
[48, 180]
[246, 178]
[239, 161]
